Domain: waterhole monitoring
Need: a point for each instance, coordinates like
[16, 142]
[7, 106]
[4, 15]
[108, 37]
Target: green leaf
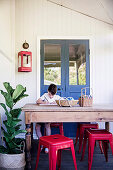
[4, 106]
[3, 149]
[18, 140]
[18, 132]
[9, 89]
[11, 129]
[13, 145]
[7, 137]
[15, 121]
[16, 112]
[9, 120]
[8, 99]
[20, 97]
[17, 127]
[18, 91]
[8, 127]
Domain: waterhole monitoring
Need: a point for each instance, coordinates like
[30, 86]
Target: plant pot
[12, 161]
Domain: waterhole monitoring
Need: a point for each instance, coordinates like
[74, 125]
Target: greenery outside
[53, 75]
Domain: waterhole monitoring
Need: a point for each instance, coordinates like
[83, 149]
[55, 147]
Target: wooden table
[54, 113]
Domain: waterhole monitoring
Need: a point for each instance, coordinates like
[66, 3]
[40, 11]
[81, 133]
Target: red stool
[56, 125]
[80, 133]
[55, 143]
[94, 135]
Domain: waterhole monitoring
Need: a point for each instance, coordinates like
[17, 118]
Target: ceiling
[98, 9]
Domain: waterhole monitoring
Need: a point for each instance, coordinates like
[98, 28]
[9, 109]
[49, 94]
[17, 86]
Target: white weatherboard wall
[7, 41]
[36, 19]
[7, 45]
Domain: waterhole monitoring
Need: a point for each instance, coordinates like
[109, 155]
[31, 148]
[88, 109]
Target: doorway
[66, 64]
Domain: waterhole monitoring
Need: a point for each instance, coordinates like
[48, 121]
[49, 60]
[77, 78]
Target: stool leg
[84, 146]
[61, 129]
[77, 134]
[73, 155]
[59, 159]
[111, 144]
[38, 155]
[100, 145]
[81, 139]
[54, 158]
[91, 144]
[105, 148]
[50, 159]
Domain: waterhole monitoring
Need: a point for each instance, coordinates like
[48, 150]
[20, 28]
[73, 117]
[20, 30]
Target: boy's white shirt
[45, 97]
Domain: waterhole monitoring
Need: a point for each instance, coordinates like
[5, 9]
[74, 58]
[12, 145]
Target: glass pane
[52, 64]
[77, 64]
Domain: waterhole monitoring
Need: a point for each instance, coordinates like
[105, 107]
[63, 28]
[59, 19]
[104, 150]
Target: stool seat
[56, 140]
[96, 134]
[99, 134]
[55, 143]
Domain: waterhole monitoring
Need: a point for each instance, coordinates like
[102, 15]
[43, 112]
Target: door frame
[91, 47]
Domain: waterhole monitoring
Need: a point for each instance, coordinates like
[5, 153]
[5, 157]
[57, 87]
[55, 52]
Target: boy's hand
[46, 102]
[53, 102]
[40, 101]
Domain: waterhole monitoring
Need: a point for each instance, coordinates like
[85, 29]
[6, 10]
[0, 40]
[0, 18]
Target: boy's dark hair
[52, 89]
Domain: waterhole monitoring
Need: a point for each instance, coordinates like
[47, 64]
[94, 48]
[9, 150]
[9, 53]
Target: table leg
[107, 126]
[31, 132]
[28, 146]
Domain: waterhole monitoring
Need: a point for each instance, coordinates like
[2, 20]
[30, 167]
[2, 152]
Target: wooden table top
[55, 108]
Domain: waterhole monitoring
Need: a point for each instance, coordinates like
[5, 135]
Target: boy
[47, 98]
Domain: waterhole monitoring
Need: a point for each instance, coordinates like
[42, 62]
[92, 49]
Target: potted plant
[11, 154]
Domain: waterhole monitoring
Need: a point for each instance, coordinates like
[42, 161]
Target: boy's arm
[40, 101]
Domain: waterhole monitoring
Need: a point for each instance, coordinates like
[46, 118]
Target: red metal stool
[80, 133]
[94, 135]
[56, 125]
[55, 143]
